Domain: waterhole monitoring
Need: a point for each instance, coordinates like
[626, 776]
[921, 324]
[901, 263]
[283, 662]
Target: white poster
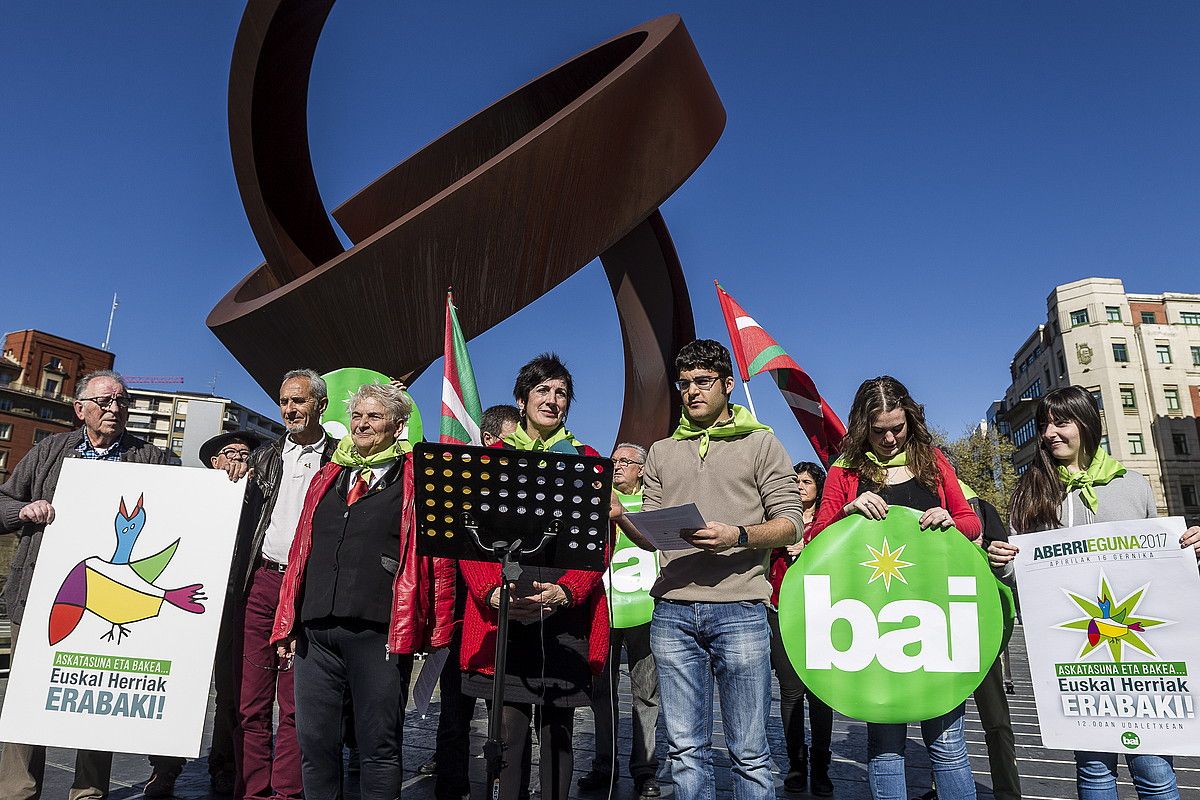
[1110, 621]
[116, 646]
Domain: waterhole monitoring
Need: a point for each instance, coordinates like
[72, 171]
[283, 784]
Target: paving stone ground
[1046, 774]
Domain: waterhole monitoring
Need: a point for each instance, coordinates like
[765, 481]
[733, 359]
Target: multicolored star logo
[1112, 623]
[886, 564]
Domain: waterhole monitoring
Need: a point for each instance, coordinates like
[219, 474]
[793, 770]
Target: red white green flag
[755, 351]
[461, 412]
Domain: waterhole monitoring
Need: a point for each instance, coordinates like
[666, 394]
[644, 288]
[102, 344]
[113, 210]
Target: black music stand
[485, 503]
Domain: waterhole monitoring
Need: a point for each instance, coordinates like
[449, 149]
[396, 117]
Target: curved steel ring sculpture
[504, 207]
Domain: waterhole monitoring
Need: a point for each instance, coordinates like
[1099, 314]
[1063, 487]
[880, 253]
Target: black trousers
[994, 718]
[331, 661]
[791, 705]
[556, 727]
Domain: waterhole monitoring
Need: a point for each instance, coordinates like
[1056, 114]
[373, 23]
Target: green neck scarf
[631, 502]
[521, 439]
[898, 460]
[347, 456]
[967, 491]
[1102, 470]
[739, 423]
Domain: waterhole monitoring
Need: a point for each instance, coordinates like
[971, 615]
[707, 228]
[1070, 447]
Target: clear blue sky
[899, 186]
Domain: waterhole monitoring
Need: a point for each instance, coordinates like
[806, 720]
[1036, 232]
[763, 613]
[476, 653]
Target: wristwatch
[743, 537]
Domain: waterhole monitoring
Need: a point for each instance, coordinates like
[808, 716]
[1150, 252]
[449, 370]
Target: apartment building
[161, 418]
[1139, 356]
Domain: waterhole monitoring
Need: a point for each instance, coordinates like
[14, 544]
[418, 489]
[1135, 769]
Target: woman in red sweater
[558, 637]
[888, 458]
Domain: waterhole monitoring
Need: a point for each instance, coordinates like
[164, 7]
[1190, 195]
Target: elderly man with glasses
[26, 508]
[633, 572]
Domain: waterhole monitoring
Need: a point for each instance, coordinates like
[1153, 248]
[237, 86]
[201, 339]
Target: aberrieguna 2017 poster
[1113, 637]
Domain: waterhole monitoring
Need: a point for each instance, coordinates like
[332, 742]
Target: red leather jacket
[422, 593]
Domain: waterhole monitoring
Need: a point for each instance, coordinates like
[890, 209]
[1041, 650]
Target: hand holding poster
[630, 576]
[886, 622]
[116, 645]
[1113, 640]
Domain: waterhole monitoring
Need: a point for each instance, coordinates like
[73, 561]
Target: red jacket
[479, 619]
[422, 593]
[841, 486]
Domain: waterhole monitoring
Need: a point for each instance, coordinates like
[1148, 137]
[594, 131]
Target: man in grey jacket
[710, 619]
[26, 508]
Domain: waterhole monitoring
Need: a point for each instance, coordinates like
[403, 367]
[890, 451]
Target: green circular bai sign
[342, 384]
[630, 576]
[888, 623]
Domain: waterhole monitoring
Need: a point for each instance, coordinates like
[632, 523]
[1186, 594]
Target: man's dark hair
[542, 368]
[495, 417]
[704, 354]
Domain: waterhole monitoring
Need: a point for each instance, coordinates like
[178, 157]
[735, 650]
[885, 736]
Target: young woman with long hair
[810, 479]
[888, 458]
[1074, 481]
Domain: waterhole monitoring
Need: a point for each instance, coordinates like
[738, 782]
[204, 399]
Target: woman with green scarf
[357, 600]
[1074, 481]
[888, 458]
[560, 639]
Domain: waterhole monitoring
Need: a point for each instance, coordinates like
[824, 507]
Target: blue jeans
[947, 753]
[692, 644]
[1096, 776]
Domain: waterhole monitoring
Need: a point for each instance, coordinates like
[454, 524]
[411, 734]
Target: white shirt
[300, 466]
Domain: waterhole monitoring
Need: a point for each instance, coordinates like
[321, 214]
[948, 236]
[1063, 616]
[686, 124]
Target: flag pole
[735, 344]
[749, 399]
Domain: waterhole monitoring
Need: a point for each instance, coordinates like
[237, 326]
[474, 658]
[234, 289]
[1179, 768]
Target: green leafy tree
[984, 462]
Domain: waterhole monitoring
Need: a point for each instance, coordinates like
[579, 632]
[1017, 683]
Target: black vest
[346, 576]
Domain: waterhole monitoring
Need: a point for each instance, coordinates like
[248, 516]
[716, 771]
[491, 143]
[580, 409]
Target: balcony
[35, 392]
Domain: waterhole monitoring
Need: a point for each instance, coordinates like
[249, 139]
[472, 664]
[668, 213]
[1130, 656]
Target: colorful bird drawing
[120, 591]
[1106, 626]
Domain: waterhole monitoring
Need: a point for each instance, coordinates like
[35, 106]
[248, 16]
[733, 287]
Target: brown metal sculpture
[504, 207]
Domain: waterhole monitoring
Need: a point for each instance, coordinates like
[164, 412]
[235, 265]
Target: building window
[55, 363]
[1137, 446]
[1128, 400]
[179, 424]
[1099, 398]
[181, 406]
[1120, 352]
[1034, 390]
[1164, 352]
[6, 404]
[50, 386]
[5, 431]
[3, 460]
[1025, 433]
[177, 444]
[1062, 364]
[1114, 313]
[1179, 442]
[1148, 318]
[1196, 356]
[1104, 444]
[39, 434]
[1172, 395]
[1079, 317]
[1189, 317]
[46, 413]
[1189, 494]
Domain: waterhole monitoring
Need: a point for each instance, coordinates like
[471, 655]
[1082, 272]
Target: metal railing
[36, 392]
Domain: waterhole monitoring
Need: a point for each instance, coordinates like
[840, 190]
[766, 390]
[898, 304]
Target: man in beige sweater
[710, 618]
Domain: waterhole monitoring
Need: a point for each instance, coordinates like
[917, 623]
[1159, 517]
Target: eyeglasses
[235, 455]
[122, 400]
[626, 462]
[703, 383]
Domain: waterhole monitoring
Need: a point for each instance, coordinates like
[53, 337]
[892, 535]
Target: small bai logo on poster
[908, 633]
[1131, 740]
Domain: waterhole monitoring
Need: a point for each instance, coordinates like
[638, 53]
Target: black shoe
[796, 781]
[595, 779]
[647, 787]
[930, 795]
[819, 783]
[221, 783]
[428, 768]
[161, 784]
